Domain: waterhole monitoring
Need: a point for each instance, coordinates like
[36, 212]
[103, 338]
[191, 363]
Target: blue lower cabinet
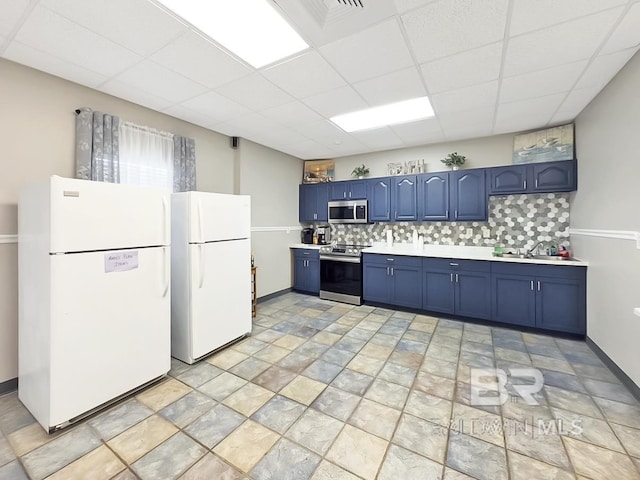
[306, 270]
[473, 294]
[513, 300]
[560, 304]
[437, 291]
[393, 280]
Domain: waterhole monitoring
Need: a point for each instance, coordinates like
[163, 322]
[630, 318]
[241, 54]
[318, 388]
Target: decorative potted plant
[454, 160]
[360, 172]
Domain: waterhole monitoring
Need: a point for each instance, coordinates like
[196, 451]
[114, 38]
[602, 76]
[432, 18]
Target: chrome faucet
[530, 252]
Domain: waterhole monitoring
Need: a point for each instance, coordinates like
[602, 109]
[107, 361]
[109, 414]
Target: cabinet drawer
[456, 264]
[392, 260]
[307, 253]
[532, 270]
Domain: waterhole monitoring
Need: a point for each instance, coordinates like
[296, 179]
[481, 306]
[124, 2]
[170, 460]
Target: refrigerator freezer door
[218, 216]
[220, 294]
[110, 326]
[88, 216]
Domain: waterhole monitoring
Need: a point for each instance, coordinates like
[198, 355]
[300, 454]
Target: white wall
[37, 122]
[271, 178]
[608, 150]
[480, 152]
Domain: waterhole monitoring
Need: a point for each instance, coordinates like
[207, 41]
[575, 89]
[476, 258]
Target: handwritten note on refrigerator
[120, 261]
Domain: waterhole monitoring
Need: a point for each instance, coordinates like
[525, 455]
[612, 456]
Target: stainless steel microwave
[349, 211]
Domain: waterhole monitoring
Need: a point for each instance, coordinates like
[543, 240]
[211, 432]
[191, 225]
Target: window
[146, 156]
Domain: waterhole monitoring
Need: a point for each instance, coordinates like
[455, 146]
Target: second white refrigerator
[210, 272]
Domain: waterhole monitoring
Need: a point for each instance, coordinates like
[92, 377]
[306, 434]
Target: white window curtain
[146, 156]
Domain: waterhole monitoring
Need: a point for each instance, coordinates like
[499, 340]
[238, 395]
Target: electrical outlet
[469, 232]
[486, 233]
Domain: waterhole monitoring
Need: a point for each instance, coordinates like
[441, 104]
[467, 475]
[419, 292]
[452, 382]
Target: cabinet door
[554, 176]
[468, 195]
[508, 179]
[305, 211]
[437, 291]
[313, 275]
[357, 189]
[473, 294]
[339, 191]
[375, 283]
[299, 273]
[405, 197]
[560, 304]
[433, 196]
[380, 199]
[407, 286]
[513, 299]
[322, 201]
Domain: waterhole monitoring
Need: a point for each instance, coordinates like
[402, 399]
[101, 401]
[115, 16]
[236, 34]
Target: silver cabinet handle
[306, 253]
[456, 216]
[525, 184]
[536, 183]
[392, 271]
[453, 264]
[349, 194]
[452, 278]
[539, 286]
[447, 213]
[344, 194]
[387, 271]
[457, 278]
[389, 259]
[531, 284]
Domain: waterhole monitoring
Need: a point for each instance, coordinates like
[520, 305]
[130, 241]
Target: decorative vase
[455, 167]
[360, 177]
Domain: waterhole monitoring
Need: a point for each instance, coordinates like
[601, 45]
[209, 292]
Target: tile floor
[328, 391]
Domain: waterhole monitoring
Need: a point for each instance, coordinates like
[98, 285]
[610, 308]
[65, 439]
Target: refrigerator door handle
[201, 265]
[165, 223]
[201, 239]
[166, 261]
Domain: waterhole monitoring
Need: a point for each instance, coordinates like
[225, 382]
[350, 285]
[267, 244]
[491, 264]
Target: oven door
[341, 279]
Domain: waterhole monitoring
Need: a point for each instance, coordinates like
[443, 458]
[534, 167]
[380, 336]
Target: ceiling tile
[462, 133]
[12, 12]
[558, 45]
[277, 136]
[403, 6]
[119, 21]
[467, 118]
[195, 57]
[293, 113]
[627, 33]
[370, 53]
[305, 75]
[215, 106]
[528, 16]
[159, 81]
[341, 100]
[50, 64]
[392, 87]
[254, 92]
[575, 102]
[423, 130]
[451, 26]
[189, 115]
[139, 96]
[464, 69]
[253, 123]
[527, 114]
[68, 41]
[468, 98]
[603, 68]
[541, 83]
[379, 138]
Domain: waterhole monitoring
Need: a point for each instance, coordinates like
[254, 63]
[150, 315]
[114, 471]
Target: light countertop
[310, 246]
[462, 253]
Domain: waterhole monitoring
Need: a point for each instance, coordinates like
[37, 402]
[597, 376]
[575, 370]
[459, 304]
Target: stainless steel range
[341, 273]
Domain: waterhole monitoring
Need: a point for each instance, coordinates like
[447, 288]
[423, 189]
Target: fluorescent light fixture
[391, 114]
[251, 29]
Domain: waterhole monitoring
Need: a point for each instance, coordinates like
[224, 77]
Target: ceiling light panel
[390, 114]
[251, 29]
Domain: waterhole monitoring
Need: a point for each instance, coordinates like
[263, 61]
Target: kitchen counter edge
[309, 246]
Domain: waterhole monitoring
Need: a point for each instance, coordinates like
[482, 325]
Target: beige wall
[271, 178]
[480, 152]
[607, 145]
[37, 122]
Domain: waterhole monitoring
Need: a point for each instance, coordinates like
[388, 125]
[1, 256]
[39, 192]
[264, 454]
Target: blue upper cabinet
[349, 190]
[433, 197]
[313, 200]
[468, 199]
[546, 177]
[511, 179]
[554, 177]
[405, 198]
[379, 196]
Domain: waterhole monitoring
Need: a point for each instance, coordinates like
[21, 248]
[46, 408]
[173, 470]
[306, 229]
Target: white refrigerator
[94, 295]
[210, 272]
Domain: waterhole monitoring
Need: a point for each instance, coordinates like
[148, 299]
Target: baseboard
[617, 371]
[8, 386]
[274, 295]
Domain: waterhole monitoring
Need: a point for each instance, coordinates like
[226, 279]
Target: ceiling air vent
[353, 3]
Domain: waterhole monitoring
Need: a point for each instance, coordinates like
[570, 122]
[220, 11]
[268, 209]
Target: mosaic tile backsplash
[514, 221]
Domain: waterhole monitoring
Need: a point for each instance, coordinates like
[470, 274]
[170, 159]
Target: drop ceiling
[488, 66]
